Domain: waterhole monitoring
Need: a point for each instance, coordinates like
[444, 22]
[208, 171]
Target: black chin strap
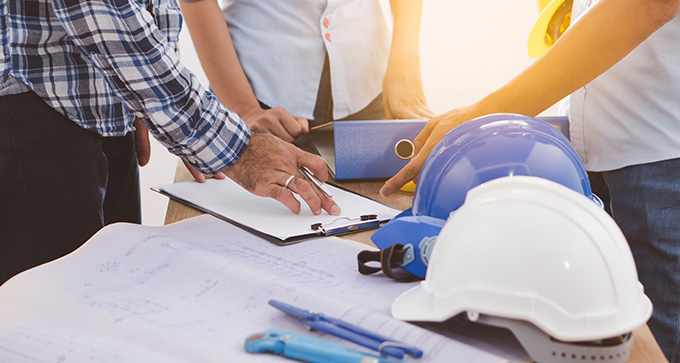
[389, 260]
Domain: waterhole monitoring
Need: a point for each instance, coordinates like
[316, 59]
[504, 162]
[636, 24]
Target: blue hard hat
[477, 151]
[491, 147]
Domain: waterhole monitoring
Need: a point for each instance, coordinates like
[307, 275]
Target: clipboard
[271, 220]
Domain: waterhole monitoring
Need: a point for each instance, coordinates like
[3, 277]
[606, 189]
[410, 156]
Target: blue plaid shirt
[103, 62]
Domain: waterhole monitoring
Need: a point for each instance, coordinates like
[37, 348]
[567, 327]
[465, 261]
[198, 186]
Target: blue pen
[308, 349]
[347, 331]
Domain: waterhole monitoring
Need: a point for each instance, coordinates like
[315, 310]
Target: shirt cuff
[218, 147]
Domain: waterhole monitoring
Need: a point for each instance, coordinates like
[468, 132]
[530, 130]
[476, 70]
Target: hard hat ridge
[491, 147]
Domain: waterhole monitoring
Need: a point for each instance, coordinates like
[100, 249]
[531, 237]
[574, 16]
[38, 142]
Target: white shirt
[630, 114]
[282, 47]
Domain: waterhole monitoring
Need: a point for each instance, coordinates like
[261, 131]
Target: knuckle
[282, 194]
[267, 121]
[302, 186]
[275, 193]
[256, 126]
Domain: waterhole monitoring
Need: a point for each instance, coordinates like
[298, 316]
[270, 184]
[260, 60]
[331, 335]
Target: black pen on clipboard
[314, 180]
[343, 225]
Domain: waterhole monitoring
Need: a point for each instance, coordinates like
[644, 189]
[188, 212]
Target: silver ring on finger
[290, 178]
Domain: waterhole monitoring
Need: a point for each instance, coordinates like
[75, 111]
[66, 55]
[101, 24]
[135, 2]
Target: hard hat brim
[411, 306]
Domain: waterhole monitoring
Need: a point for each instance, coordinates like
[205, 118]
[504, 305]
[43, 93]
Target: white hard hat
[529, 249]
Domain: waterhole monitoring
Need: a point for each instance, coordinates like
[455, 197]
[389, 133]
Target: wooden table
[645, 348]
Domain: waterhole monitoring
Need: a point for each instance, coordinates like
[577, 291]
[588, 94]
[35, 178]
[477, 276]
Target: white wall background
[468, 49]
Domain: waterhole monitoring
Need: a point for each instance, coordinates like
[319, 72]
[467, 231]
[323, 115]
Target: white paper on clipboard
[228, 200]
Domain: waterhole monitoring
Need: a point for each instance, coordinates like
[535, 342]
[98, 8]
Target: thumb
[304, 123]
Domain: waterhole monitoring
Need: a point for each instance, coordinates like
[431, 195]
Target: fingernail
[335, 210]
[317, 212]
[384, 191]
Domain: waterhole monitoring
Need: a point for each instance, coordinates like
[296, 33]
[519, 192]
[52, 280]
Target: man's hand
[276, 121]
[403, 95]
[142, 144]
[266, 165]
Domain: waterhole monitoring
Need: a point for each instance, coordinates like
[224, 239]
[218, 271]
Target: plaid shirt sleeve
[122, 42]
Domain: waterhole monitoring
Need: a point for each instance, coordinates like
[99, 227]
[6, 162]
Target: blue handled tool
[308, 349]
[347, 331]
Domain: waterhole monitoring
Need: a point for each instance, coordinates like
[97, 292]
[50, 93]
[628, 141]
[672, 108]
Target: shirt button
[325, 22]
[328, 36]
[140, 114]
[191, 160]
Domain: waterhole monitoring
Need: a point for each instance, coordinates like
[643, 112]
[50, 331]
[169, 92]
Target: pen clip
[347, 224]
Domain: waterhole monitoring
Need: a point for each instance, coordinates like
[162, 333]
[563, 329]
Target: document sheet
[225, 198]
[192, 292]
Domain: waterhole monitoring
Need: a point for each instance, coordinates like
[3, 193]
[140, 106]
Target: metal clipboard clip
[345, 224]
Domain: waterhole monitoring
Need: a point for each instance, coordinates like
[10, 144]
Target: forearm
[403, 95]
[215, 49]
[406, 34]
[405, 49]
[606, 34]
[603, 36]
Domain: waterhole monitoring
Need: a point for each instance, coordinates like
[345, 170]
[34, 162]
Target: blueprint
[191, 292]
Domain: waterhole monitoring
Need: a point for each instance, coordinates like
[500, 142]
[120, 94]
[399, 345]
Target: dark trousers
[59, 183]
[645, 203]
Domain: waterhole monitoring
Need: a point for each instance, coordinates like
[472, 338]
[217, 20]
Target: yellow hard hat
[552, 22]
